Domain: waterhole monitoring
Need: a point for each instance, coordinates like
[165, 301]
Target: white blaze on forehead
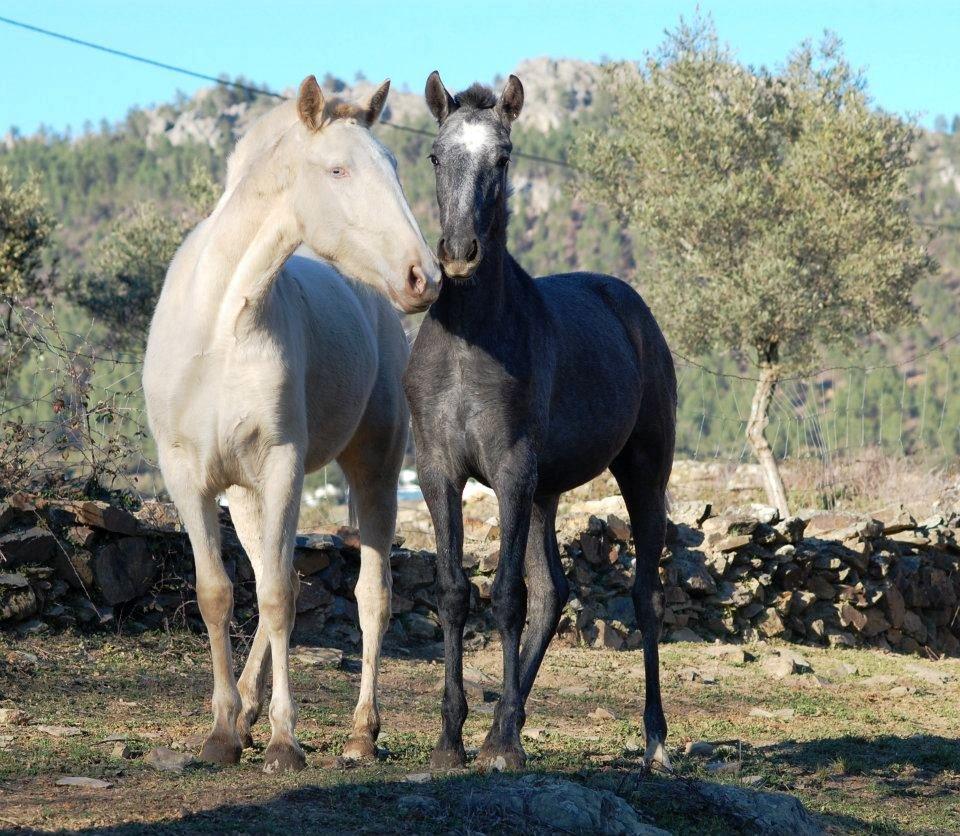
[474, 136]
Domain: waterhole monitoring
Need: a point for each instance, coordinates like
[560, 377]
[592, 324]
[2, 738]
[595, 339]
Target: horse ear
[439, 101]
[310, 103]
[511, 100]
[377, 101]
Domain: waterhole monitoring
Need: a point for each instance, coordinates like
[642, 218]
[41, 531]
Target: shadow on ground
[604, 801]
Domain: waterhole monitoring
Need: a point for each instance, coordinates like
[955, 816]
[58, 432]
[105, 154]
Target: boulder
[555, 804]
[773, 813]
[124, 570]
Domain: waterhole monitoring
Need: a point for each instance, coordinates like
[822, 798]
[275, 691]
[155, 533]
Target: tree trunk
[756, 431]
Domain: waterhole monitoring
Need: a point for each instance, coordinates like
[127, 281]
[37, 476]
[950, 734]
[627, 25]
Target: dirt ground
[868, 741]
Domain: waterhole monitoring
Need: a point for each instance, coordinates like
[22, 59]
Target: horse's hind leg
[642, 474]
[215, 598]
[547, 591]
[372, 465]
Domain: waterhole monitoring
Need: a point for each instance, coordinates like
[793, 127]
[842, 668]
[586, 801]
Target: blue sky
[910, 50]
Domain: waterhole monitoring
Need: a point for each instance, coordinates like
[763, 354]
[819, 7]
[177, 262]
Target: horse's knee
[649, 601]
[276, 600]
[215, 598]
[453, 599]
[508, 600]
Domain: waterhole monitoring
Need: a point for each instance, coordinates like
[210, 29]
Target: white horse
[261, 367]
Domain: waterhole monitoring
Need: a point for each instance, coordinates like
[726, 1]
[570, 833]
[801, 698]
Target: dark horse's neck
[480, 304]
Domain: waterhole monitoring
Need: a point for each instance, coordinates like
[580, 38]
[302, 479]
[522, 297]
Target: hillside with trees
[122, 195]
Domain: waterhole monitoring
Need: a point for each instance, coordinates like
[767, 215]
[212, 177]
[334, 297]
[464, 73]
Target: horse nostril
[416, 280]
[474, 249]
[441, 252]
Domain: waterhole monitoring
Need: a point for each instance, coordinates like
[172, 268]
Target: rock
[784, 664]
[554, 804]
[313, 595]
[105, 516]
[844, 669]
[483, 585]
[928, 674]
[124, 570]
[121, 751]
[419, 627]
[602, 714]
[606, 636]
[81, 781]
[776, 814]
[876, 623]
[412, 569]
[693, 574]
[729, 653]
[309, 560]
[164, 759]
[618, 528]
[791, 529]
[770, 624]
[418, 777]
[318, 657]
[13, 717]
[699, 748]
[685, 634]
[60, 731]
[776, 714]
[30, 547]
[489, 560]
[17, 598]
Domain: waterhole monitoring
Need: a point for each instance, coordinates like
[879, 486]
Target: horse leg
[247, 519]
[514, 486]
[443, 497]
[373, 484]
[277, 587]
[547, 591]
[215, 598]
[643, 481]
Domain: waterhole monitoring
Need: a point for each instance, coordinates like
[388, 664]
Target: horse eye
[338, 171]
[433, 159]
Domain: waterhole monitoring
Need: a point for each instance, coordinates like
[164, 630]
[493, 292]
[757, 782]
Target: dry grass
[872, 752]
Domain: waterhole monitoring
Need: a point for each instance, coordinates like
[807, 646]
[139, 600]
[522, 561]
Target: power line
[237, 85]
[421, 132]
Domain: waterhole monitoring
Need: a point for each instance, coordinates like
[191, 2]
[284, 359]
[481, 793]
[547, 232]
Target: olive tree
[772, 205]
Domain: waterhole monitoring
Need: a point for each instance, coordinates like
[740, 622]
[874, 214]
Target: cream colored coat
[262, 366]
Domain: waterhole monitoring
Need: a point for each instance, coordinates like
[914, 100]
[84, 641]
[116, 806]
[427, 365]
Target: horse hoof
[452, 758]
[218, 750]
[360, 747]
[283, 757]
[246, 740]
[501, 758]
[656, 753]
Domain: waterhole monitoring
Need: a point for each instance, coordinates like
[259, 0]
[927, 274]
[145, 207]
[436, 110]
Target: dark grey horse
[531, 387]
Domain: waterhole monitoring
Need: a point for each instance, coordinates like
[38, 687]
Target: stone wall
[826, 579]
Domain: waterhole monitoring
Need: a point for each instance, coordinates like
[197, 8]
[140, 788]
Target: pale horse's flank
[261, 367]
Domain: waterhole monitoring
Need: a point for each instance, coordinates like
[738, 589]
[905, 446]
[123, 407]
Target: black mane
[477, 96]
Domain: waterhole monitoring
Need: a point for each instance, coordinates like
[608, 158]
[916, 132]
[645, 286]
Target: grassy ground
[873, 751]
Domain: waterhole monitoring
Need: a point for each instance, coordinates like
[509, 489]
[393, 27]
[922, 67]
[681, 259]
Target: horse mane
[477, 97]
